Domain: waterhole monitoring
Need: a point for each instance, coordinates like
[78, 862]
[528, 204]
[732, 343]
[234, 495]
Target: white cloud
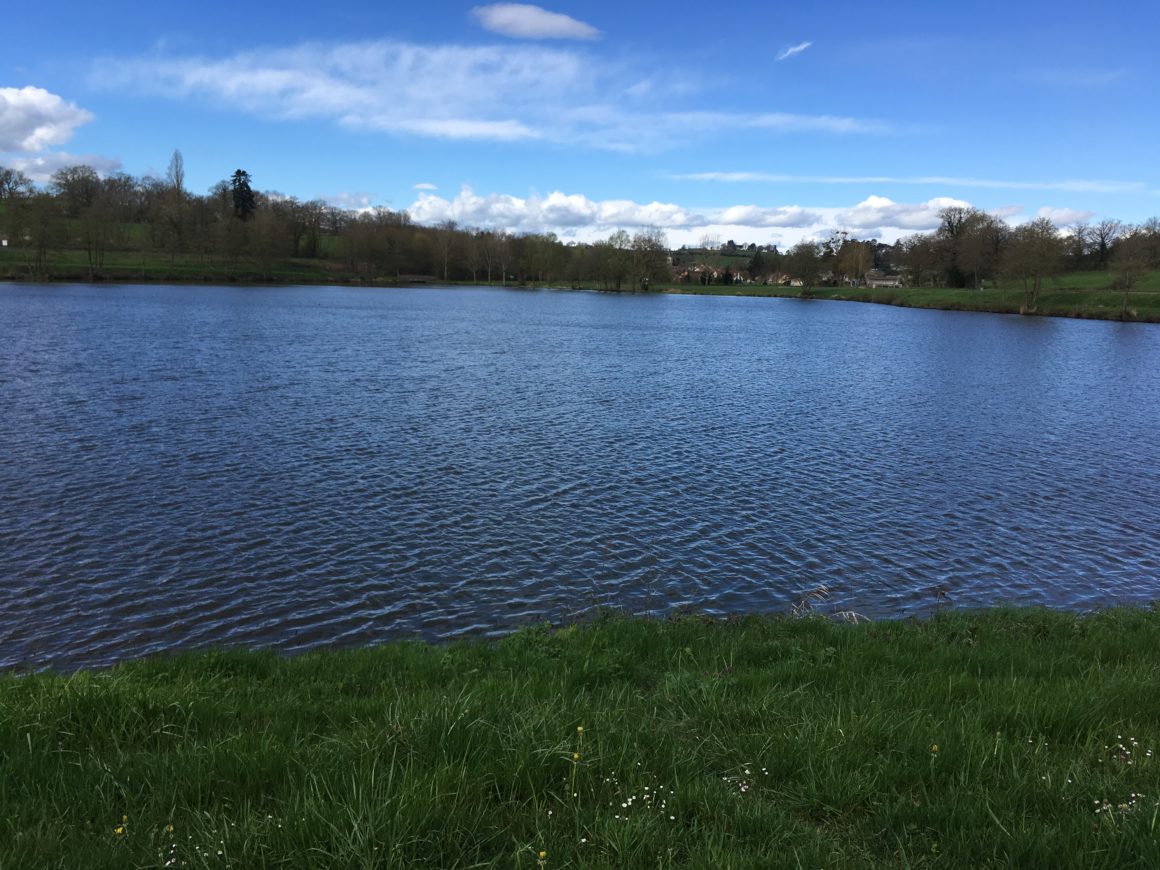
[40, 167]
[576, 216]
[509, 93]
[524, 21]
[424, 185]
[555, 212]
[879, 212]
[1005, 212]
[1063, 217]
[462, 128]
[32, 119]
[448, 92]
[756, 216]
[791, 50]
[1070, 185]
[360, 202]
[784, 122]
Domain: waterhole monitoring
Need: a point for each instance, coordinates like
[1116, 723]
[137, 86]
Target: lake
[301, 467]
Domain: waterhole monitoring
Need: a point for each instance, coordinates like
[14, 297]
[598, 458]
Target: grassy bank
[1056, 301]
[1020, 738]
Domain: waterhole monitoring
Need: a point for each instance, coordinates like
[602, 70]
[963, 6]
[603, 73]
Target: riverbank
[1095, 303]
[1007, 737]
[1086, 303]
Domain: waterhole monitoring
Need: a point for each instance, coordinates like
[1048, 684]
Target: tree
[1078, 244]
[756, 266]
[75, 187]
[1129, 260]
[803, 263]
[14, 183]
[615, 260]
[921, 256]
[979, 245]
[1103, 238]
[175, 175]
[960, 227]
[35, 225]
[444, 237]
[1034, 253]
[496, 251]
[243, 197]
[855, 259]
[650, 259]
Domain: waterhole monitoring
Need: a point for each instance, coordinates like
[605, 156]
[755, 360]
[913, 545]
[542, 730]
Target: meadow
[1000, 738]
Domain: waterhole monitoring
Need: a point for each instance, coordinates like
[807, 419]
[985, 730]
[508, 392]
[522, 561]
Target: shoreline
[1068, 302]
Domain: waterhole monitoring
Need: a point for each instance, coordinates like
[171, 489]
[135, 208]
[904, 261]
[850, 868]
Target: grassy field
[1056, 299]
[1005, 738]
[122, 266]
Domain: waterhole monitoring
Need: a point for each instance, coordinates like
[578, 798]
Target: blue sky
[758, 122]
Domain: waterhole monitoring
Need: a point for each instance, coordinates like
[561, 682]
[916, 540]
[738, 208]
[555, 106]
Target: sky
[759, 122]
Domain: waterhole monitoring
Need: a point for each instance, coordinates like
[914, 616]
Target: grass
[1001, 738]
[128, 266]
[1058, 299]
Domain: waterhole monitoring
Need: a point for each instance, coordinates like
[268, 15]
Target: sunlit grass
[1021, 738]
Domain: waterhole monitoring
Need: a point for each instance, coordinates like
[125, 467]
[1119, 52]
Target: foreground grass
[1020, 738]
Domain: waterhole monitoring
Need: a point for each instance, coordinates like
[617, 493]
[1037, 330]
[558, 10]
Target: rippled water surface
[299, 467]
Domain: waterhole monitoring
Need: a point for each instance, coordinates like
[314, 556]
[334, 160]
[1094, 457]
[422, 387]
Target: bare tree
[979, 245]
[175, 175]
[855, 259]
[76, 188]
[803, 263]
[14, 183]
[1034, 253]
[1130, 259]
[497, 251]
[1103, 238]
[921, 257]
[444, 238]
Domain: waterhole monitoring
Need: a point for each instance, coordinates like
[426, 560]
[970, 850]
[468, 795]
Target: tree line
[236, 231]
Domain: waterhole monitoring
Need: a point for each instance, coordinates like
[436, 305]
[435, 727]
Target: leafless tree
[1103, 238]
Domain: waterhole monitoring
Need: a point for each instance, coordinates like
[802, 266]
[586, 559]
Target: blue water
[302, 467]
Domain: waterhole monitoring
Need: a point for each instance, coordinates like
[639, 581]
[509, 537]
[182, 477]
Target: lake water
[300, 467]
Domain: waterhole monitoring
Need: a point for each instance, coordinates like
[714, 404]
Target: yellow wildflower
[934, 749]
[575, 756]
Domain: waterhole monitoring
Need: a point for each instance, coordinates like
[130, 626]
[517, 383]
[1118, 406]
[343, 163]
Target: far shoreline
[1068, 302]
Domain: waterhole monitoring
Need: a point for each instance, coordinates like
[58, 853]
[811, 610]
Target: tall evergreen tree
[244, 203]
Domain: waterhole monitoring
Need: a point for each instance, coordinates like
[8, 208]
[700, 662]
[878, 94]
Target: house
[877, 278]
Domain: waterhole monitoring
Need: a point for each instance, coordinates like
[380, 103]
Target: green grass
[1004, 738]
[129, 266]
[1056, 300]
